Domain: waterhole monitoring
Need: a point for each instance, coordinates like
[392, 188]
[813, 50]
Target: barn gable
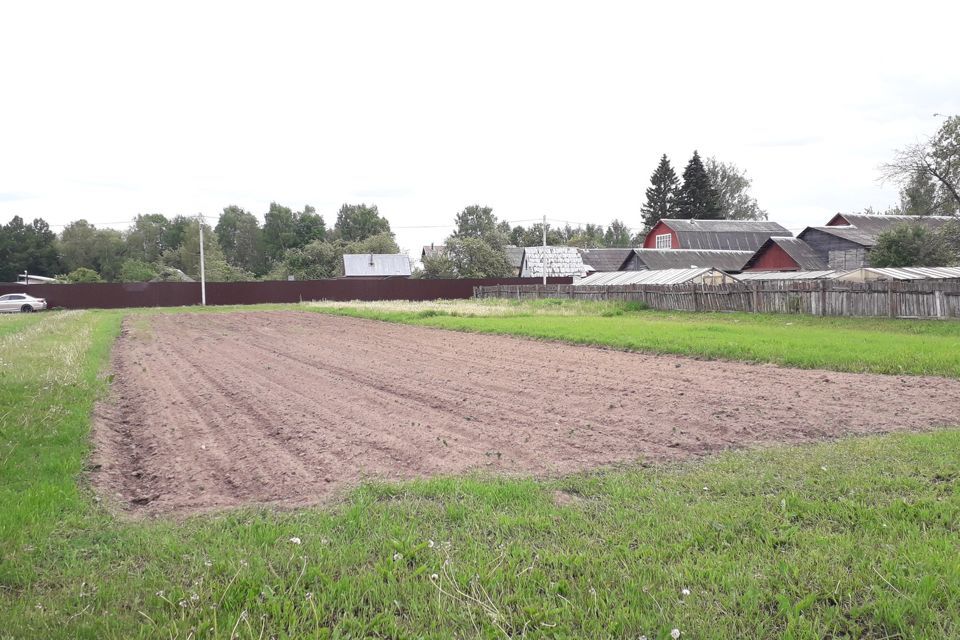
[730, 235]
[785, 254]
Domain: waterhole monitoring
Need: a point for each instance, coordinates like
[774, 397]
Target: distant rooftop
[735, 235]
[560, 262]
[376, 265]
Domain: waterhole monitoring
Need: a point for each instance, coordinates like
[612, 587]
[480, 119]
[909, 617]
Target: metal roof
[375, 264]
[659, 276]
[605, 259]
[561, 261]
[858, 275]
[823, 274]
[901, 273]
[692, 258]
[735, 235]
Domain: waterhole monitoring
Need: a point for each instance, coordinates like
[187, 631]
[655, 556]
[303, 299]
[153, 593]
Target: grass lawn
[841, 344]
[859, 538]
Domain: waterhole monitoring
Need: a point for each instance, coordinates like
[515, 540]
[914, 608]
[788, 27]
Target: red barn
[785, 254]
[728, 235]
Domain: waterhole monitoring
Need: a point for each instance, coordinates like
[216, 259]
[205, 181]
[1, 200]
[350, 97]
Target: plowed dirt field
[224, 409]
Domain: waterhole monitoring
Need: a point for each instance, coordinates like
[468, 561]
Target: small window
[664, 241]
[6, 297]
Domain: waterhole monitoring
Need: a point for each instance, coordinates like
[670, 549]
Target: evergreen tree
[697, 197]
[661, 194]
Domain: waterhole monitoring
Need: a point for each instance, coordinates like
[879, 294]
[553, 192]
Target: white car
[13, 302]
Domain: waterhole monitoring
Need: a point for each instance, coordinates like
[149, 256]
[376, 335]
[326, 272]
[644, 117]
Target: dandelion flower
[430, 543]
[675, 634]
[685, 592]
[309, 595]
[295, 540]
[194, 597]
[397, 557]
[434, 576]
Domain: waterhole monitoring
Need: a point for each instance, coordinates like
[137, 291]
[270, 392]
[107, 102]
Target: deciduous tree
[910, 245]
[733, 191]
[935, 161]
[358, 221]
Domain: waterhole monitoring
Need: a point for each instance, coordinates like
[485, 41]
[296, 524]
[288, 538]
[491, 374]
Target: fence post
[696, 302]
[823, 297]
[891, 298]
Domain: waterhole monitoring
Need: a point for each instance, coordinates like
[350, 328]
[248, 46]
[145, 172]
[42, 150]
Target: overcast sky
[114, 109]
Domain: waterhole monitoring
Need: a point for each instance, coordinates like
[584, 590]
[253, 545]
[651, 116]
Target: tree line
[155, 247]
[298, 244]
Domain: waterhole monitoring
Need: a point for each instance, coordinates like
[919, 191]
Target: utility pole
[203, 275]
[543, 263]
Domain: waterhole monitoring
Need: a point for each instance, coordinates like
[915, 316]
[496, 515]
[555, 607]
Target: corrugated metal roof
[901, 273]
[560, 261]
[734, 235]
[605, 259]
[822, 274]
[692, 258]
[659, 276]
[858, 275]
[375, 264]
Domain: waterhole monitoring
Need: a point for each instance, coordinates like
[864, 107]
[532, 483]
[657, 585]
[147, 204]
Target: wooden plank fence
[895, 299]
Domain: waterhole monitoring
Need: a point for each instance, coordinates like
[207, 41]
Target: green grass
[859, 538]
[840, 344]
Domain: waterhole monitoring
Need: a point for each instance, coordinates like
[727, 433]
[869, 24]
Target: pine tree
[697, 197]
[661, 194]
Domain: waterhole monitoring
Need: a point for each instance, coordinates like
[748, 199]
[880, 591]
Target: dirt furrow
[219, 410]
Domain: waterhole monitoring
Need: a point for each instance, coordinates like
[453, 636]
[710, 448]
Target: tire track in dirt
[218, 410]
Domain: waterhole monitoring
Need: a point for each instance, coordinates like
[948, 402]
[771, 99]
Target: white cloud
[112, 109]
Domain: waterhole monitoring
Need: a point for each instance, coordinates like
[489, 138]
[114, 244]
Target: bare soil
[218, 410]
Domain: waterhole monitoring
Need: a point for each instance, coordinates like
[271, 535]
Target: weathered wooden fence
[921, 299]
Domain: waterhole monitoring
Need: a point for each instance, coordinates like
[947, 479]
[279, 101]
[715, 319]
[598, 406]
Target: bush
[910, 245]
[83, 274]
[137, 271]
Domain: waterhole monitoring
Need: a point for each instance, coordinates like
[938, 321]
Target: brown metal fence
[921, 299]
[117, 295]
